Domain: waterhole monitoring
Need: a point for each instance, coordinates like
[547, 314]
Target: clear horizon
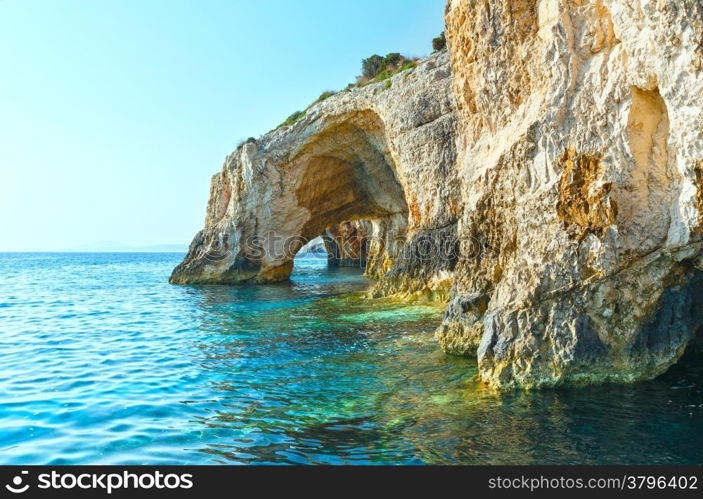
[116, 114]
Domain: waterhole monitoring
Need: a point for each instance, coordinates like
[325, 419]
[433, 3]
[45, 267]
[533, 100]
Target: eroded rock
[560, 160]
[579, 146]
[383, 154]
[347, 243]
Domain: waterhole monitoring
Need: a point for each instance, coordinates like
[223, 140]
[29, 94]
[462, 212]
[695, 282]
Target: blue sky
[114, 114]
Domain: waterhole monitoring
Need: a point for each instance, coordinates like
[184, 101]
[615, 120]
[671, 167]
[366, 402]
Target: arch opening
[342, 175]
[341, 245]
[352, 196]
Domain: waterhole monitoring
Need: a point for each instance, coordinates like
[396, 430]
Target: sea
[103, 362]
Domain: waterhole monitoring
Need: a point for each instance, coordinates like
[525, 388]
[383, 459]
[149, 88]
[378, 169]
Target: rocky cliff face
[580, 145]
[548, 186]
[347, 244]
[383, 153]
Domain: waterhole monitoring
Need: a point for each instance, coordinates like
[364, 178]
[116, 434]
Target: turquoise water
[104, 362]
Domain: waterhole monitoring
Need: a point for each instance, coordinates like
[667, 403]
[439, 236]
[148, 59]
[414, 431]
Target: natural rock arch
[349, 174]
[347, 244]
[368, 154]
[572, 188]
[343, 173]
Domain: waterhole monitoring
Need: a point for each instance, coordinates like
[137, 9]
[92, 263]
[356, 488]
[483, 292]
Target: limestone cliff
[579, 158]
[549, 186]
[383, 153]
[347, 243]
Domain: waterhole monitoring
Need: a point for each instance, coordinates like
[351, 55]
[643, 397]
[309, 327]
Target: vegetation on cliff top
[296, 116]
[374, 69]
[439, 43]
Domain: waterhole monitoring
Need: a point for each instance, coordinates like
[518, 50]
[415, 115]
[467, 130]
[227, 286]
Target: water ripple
[104, 362]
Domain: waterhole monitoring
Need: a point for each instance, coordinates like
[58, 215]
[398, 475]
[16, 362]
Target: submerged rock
[547, 183]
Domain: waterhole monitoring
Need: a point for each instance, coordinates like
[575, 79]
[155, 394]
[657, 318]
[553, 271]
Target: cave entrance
[341, 245]
[351, 193]
[336, 258]
[681, 311]
[336, 178]
[347, 244]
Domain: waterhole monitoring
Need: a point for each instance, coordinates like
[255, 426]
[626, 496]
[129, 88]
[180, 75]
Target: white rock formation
[563, 158]
[580, 149]
[382, 153]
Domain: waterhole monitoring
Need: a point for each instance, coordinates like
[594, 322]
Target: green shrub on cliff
[292, 118]
[324, 95]
[250, 140]
[408, 65]
[439, 43]
[393, 59]
[371, 66]
[386, 73]
[375, 69]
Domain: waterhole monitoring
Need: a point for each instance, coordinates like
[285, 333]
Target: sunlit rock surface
[383, 153]
[548, 186]
[579, 158]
